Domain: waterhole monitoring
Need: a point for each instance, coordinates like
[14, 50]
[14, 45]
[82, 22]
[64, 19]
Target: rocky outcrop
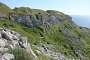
[52, 54]
[55, 55]
[32, 20]
[11, 40]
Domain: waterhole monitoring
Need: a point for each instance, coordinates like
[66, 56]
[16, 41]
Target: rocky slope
[10, 40]
[52, 35]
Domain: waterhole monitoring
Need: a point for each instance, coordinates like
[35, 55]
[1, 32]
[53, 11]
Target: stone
[3, 50]
[2, 43]
[7, 56]
[23, 42]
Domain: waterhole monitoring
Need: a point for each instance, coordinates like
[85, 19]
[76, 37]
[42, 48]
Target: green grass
[42, 57]
[22, 10]
[62, 43]
[53, 36]
[20, 54]
[4, 9]
[36, 11]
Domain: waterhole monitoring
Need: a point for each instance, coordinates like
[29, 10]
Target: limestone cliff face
[46, 18]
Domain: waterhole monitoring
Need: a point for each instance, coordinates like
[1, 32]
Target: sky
[71, 7]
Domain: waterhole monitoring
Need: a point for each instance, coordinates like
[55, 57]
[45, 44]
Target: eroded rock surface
[10, 40]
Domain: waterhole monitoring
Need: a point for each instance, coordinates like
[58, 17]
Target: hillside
[52, 34]
[4, 9]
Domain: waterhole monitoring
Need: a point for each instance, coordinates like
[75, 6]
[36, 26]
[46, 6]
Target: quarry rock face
[11, 40]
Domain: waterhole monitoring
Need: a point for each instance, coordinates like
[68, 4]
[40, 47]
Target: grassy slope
[4, 9]
[32, 35]
[53, 36]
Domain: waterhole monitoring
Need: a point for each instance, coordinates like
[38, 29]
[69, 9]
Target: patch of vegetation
[42, 57]
[22, 10]
[37, 11]
[20, 54]
[4, 8]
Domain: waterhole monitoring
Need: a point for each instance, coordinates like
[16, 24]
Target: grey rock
[52, 54]
[7, 56]
[11, 39]
[30, 20]
[2, 43]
